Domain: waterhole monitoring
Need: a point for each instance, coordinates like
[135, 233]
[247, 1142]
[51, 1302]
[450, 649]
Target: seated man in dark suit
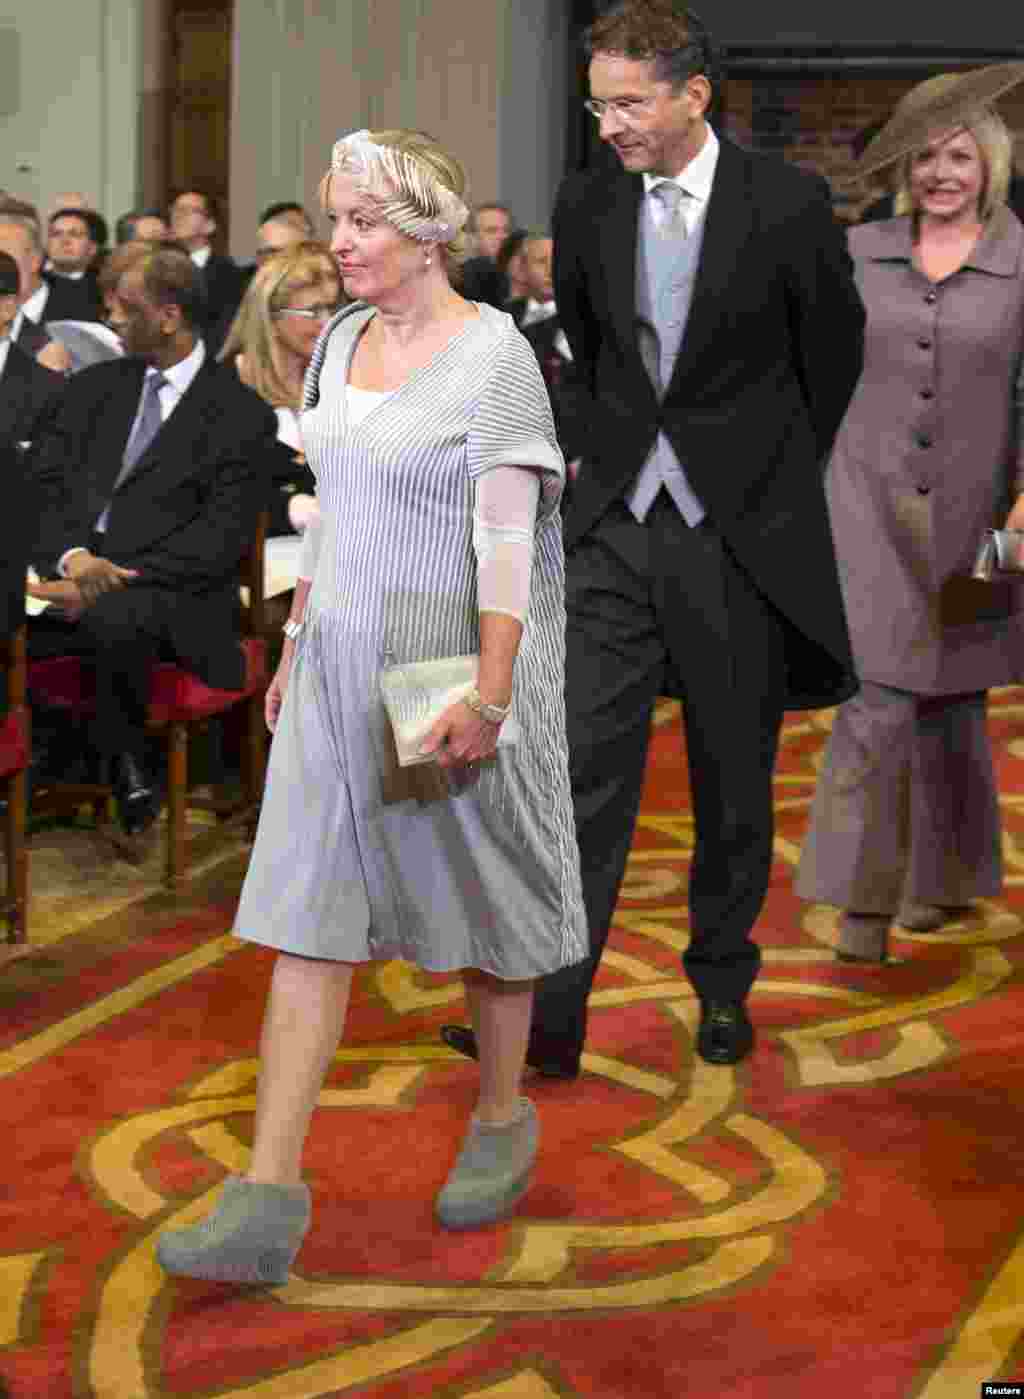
[193, 219]
[21, 240]
[26, 388]
[73, 244]
[150, 476]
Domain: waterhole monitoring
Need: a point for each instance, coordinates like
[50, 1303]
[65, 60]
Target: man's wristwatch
[493, 713]
[291, 629]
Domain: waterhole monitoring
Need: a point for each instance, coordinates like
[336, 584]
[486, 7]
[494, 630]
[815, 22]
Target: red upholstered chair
[15, 751]
[179, 704]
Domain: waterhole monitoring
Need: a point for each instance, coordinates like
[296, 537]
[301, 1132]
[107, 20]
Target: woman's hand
[275, 694]
[461, 737]
[1015, 519]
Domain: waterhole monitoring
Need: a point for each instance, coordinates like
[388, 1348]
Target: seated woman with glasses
[289, 300]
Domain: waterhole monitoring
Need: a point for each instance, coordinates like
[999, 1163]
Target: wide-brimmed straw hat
[935, 106]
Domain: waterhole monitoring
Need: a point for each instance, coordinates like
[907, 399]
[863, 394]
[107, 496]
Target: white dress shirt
[695, 180]
[201, 256]
[33, 309]
[538, 311]
[179, 377]
[68, 276]
[5, 345]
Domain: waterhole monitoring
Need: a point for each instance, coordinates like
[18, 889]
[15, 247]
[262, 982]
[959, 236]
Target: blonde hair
[996, 147]
[253, 334]
[421, 149]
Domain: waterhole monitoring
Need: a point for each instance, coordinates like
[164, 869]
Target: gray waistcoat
[666, 268]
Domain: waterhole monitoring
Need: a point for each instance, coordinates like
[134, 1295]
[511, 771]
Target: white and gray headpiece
[407, 192]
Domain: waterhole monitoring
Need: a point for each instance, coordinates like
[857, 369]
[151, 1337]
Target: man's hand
[55, 356]
[64, 598]
[1015, 519]
[94, 577]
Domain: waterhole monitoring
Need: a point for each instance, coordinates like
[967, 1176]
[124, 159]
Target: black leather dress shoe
[725, 1034]
[462, 1039]
[138, 803]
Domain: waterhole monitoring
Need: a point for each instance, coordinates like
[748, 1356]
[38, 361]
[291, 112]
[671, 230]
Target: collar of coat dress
[999, 251]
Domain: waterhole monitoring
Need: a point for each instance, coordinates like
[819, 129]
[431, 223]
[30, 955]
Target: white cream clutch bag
[417, 694]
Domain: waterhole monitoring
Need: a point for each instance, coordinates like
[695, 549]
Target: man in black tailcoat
[716, 334]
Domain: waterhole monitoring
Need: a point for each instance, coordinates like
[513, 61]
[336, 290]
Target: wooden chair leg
[15, 901]
[17, 855]
[255, 763]
[177, 792]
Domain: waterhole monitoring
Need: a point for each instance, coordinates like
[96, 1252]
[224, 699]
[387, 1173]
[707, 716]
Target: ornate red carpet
[842, 1215]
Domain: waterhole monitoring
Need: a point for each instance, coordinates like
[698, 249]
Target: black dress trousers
[662, 608]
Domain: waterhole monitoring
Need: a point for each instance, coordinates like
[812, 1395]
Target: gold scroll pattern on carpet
[736, 1233]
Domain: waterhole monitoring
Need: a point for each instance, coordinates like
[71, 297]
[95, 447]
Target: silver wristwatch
[291, 629]
[493, 713]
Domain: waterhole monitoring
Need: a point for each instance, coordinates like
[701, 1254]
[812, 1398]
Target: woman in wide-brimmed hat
[905, 826]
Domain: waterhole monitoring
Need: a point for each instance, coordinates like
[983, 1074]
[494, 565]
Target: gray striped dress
[488, 878]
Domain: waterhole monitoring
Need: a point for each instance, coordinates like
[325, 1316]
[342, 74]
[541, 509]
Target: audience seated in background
[542, 326]
[20, 237]
[522, 303]
[280, 226]
[150, 475]
[480, 279]
[270, 344]
[26, 388]
[75, 239]
[142, 226]
[193, 219]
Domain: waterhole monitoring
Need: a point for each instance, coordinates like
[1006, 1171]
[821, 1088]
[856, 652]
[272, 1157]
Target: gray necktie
[670, 197]
[150, 420]
[147, 425]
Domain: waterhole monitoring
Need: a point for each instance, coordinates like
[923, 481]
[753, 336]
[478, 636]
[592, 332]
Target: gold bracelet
[493, 713]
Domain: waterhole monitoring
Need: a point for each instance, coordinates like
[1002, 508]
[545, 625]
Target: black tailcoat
[771, 355]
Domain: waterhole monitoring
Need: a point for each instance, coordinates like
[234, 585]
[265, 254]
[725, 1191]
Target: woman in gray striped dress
[428, 428]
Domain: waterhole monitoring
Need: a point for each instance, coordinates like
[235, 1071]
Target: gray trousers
[906, 807]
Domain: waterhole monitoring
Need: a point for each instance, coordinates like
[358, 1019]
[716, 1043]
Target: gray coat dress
[928, 457]
[488, 878]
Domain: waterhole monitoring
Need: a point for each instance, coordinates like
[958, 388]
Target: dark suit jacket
[31, 337]
[516, 308]
[187, 513]
[223, 283]
[568, 404]
[771, 355]
[288, 476]
[26, 389]
[71, 300]
[480, 280]
[15, 537]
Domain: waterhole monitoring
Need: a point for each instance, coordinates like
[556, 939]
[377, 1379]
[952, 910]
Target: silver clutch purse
[415, 696]
[1000, 556]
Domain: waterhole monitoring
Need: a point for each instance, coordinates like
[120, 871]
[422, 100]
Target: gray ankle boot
[864, 937]
[491, 1171]
[252, 1236]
